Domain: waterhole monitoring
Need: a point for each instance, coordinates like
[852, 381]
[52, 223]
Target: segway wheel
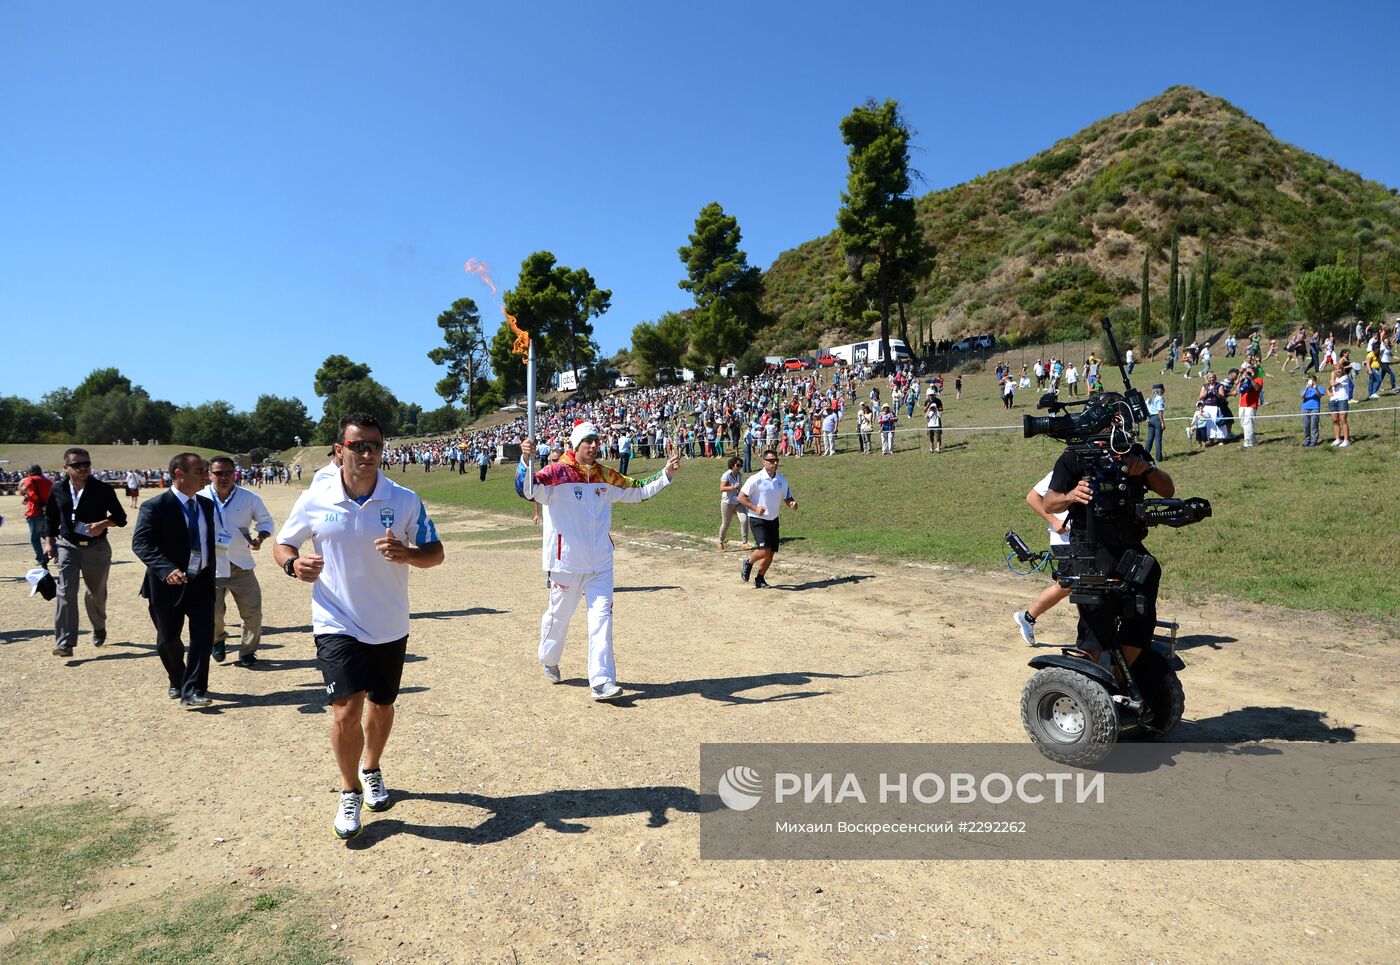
[1070, 718]
[1162, 688]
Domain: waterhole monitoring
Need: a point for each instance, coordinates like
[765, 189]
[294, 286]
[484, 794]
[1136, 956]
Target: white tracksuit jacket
[576, 511]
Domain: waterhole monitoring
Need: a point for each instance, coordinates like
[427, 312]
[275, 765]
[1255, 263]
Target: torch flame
[476, 267]
[522, 338]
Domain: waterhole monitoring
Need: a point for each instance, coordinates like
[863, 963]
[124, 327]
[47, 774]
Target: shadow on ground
[563, 811]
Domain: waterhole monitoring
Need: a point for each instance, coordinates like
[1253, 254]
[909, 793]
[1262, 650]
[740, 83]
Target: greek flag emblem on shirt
[386, 517]
[578, 492]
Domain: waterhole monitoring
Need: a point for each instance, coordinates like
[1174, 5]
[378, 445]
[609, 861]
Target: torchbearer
[576, 496]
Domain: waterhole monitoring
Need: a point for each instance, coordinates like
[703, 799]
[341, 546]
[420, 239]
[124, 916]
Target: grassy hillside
[23, 455]
[1057, 240]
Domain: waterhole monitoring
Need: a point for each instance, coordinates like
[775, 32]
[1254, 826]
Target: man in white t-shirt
[1058, 526]
[366, 531]
[133, 487]
[764, 495]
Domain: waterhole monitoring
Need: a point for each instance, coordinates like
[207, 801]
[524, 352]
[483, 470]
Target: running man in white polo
[366, 531]
[764, 495]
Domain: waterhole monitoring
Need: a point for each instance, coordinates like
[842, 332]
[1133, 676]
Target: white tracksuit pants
[565, 589]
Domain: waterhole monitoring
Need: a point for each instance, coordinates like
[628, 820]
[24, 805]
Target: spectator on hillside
[865, 425]
[1311, 409]
[1248, 391]
[933, 417]
[1339, 402]
[1072, 379]
[888, 420]
[1156, 419]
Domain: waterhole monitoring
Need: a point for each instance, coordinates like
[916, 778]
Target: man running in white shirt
[366, 531]
[764, 495]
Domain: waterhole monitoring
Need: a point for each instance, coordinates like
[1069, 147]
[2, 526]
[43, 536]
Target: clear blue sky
[214, 197]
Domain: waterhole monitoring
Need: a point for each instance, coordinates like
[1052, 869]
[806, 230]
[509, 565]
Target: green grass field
[52, 855]
[1290, 527]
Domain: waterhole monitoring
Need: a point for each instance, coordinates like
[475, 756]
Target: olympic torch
[530, 390]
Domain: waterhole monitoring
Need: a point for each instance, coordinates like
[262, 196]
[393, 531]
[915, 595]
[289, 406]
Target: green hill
[1052, 243]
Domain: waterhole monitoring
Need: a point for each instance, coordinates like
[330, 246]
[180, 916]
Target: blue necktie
[192, 515]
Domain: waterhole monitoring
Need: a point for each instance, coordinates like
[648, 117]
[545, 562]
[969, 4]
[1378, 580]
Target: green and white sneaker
[376, 794]
[347, 818]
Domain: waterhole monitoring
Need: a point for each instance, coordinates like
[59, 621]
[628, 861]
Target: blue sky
[214, 197]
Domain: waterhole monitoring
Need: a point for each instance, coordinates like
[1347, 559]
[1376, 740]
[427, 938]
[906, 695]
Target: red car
[826, 360]
[794, 364]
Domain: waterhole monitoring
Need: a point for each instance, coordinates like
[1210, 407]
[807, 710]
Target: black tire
[1162, 689]
[1069, 717]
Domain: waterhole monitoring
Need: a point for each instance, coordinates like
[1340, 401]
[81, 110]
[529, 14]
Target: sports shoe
[1335, 442]
[347, 818]
[248, 660]
[551, 674]
[606, 691]
[1026, 627]
[375, 793]
[219, 652]
[1373, 395]
[745, 568]
[759, 583]
[1344, 443]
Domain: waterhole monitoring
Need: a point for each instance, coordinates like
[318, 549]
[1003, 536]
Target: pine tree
[1173, 294]
[1145, 312]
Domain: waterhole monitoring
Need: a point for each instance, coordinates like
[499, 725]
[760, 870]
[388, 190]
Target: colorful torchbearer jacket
[576, 510]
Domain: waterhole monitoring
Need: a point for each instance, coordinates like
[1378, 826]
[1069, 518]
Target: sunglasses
[80, 465]
[364, 448]
[221, 474]
[773, 461]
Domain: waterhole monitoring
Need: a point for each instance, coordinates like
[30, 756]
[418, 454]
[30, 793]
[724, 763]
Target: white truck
[869, 352]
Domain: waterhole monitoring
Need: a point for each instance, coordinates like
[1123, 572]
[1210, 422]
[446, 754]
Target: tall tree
[509, 367]
[359, 395]
[214, 425]
[335, 371]
[1192, 300]
[657, 349]
[726, 287]
[1203, 309]
[572, 332]
[876, 222]
[1145, 309]
[464, 353]
[276, 423]
[1173, 293]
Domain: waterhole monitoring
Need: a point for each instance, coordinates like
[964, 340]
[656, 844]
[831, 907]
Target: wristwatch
[289, 567]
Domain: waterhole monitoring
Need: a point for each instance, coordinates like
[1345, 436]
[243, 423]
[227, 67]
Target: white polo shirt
[768, 493]
[359, 593]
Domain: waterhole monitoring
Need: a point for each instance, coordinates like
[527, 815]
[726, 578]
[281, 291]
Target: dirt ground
[522, 826]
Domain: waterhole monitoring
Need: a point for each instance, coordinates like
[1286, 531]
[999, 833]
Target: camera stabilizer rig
[1073, 708]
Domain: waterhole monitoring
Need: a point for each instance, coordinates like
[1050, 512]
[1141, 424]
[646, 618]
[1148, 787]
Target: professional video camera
[1073, 708]
[1101, 435]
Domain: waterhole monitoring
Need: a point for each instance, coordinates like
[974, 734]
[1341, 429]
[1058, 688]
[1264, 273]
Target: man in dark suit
[79, 511]
[175, 537]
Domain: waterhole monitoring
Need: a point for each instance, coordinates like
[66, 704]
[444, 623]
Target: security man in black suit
[175, 537]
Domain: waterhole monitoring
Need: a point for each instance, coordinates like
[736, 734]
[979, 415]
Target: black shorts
[350, 667]
[765, 532]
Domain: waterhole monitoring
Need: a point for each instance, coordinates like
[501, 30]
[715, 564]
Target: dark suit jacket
[162, 541]
[98, 502]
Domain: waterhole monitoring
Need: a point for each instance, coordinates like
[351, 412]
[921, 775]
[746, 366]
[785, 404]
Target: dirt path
[522, 828]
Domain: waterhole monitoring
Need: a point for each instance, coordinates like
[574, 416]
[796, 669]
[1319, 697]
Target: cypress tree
[1203, 309]
[1145, 313]
[1173, 295]
[1189, 319]
[1385, 285]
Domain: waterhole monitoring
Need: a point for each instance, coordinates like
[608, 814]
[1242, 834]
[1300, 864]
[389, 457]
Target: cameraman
[1116, 533]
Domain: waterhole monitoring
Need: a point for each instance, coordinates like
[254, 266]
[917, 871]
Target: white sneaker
[1026, 627]
[607, 691]
[376, 794]
[1336, 442]
[1344, 443]
[347, 819]
[551, 673]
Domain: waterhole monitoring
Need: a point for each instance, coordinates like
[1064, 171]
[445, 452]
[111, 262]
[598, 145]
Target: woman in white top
[1338, 404]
